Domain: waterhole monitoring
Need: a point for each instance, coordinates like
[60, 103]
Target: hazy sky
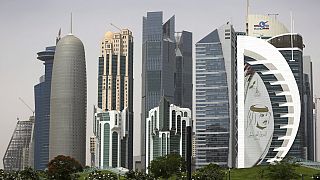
[27, 27]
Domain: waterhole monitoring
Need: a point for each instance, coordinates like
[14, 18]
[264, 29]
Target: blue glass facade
[157, 66]
[42, 92]
[215, 59]
[166, 67]
[293, 53]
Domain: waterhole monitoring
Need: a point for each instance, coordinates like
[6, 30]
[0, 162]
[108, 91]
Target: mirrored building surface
[215, 97]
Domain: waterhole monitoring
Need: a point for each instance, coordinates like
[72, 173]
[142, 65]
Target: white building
[110, 127]
[166, 130]
[268, 103]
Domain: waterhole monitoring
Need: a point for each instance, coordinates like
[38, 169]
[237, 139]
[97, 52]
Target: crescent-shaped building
[68, 100]
[278, 91]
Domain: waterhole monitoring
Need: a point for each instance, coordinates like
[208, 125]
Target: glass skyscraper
[291, 48]
[183, 74]
[290, 45]
[215, 97]
[308, 107]
[42, 92]
[166, 67]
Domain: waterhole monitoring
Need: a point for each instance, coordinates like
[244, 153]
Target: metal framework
[17, 153]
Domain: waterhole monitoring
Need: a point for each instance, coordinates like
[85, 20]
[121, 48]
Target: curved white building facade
[268, 103]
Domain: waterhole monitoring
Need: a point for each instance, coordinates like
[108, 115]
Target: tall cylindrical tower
[68, 100]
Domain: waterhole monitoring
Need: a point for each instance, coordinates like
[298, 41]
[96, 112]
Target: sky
[27, 27]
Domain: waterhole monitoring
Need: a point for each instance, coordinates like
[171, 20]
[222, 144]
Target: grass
[259, 173]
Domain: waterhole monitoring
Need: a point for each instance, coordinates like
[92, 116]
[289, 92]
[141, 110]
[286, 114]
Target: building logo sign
[261, 26]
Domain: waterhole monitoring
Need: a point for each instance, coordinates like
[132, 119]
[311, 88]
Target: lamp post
[229, 174]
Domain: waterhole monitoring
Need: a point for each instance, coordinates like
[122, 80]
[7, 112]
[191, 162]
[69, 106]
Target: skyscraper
[16, 157]
[68, 100]
[110, 132]
[308, 107]
[93, 149]
[290, 45]
[115, 90]
[42, 92]
[215, 97]
[167, 131]
[183, 75]
[166, 67]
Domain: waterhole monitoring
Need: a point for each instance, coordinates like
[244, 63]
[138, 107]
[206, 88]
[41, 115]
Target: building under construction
[17, 153]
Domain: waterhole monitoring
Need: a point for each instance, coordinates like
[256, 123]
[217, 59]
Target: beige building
[115, 92]
[115, 64]
[265, 26]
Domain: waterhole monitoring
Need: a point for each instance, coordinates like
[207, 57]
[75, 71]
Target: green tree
[167, 166]
[28, 174]
[133, 175]
[283, 170]
[209, 172]
[102, 175]
[8, 175]
[62, 168]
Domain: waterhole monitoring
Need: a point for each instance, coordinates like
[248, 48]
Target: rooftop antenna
[291, 36]
[247, 23]
[71, 25]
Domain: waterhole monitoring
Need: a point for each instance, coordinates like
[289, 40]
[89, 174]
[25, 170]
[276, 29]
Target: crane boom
[27, 105]
[115, 26]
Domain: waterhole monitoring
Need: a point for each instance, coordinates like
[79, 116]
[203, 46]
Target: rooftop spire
[71, 24]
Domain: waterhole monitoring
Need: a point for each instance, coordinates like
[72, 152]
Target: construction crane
[27, 105]
[115, 26]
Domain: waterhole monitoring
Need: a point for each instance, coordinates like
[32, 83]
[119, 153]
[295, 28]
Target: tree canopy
[133, 175]
[102, 175]
[283, 170]
[167, 166]
[62, 167]
[209, 172]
